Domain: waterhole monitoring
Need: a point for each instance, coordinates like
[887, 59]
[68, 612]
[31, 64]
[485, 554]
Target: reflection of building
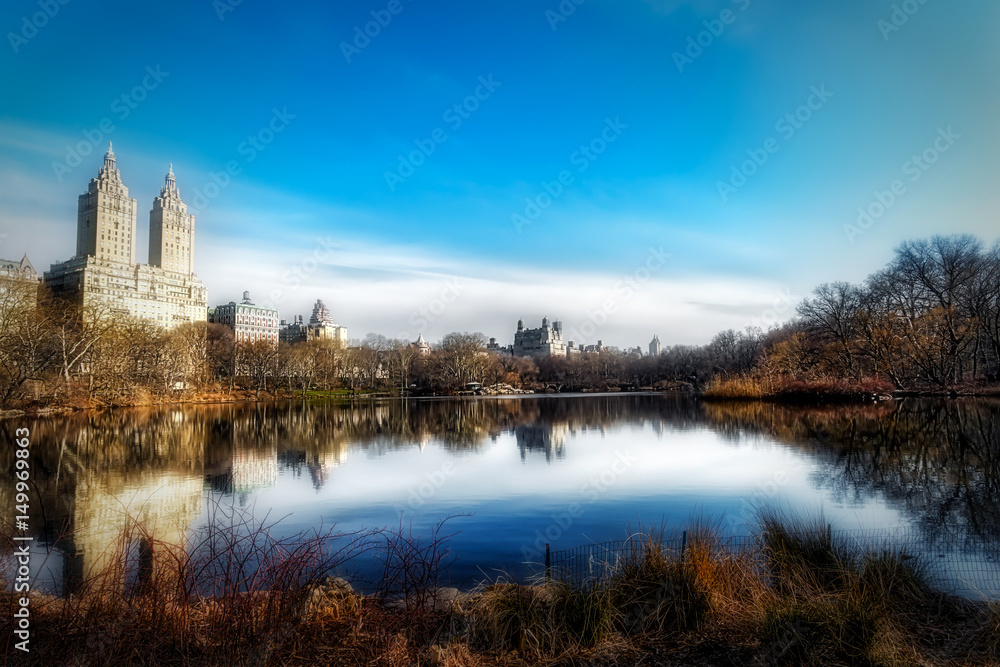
[248, 470]
[321, 327]
[547, 438]
[249, 323]
[157, 509]
[319, 465]
[655, 349]
[104, 272]
[543, 342]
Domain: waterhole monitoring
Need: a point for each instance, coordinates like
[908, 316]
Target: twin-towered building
[104, 275]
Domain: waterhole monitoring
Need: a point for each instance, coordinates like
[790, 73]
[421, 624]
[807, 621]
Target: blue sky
[616, 98]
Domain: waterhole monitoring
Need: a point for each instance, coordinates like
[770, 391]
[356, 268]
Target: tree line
[930, 320]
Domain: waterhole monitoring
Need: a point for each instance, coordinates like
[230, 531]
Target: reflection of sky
[620, 477]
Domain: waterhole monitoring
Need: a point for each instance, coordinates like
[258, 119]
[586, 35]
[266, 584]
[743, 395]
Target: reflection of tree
[937, 461]
[236, 448]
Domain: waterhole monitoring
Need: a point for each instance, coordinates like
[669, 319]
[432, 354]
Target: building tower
[171, 230]
[321, 315]
[106, 217]
[655, 349]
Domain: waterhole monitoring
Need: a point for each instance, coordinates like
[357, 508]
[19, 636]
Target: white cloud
[252, 237]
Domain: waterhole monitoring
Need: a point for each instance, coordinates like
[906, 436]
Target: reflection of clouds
[515, 459]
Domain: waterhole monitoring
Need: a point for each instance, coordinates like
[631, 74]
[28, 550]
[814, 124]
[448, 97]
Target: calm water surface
[516, 473]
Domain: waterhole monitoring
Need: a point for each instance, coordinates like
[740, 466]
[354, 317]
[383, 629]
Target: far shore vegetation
[929, 322]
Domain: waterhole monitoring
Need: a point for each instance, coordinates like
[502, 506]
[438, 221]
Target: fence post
[829, 533]
[548, 564]
[684, 544]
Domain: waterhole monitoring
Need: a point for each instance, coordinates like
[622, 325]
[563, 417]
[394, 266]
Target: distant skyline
[629, 167]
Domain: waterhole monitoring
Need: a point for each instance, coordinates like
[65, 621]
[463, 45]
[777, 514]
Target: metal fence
[969, 569]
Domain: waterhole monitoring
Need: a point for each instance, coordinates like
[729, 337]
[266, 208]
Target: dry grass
[752, 386]
[738, 387]
[236, 596]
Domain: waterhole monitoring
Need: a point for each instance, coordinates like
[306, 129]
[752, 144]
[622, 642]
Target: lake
[514, 473]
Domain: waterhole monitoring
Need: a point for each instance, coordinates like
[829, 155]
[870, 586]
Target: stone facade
[104, 274]
[655, 349]
[249, 323]
[14, 270]
[299, 332]
[542, 342]
[171, 230]
[421, 346]
[20, 276]
[321, 314]
[321, 327]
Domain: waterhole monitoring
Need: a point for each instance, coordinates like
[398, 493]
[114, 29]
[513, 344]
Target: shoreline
[795, 399]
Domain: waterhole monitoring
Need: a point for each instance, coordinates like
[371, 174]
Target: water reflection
[933, 463]
[938, 461]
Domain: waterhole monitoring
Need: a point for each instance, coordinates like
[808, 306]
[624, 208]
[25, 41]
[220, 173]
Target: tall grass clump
[801, 553]
[229, 595]
[664, 588]
[543, 620]
[989, 634]
[738, 387]
[835, 603]
[657, 590]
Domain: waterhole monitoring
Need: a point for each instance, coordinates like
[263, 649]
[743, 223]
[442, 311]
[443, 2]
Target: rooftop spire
[109, 159]
[170, 184]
